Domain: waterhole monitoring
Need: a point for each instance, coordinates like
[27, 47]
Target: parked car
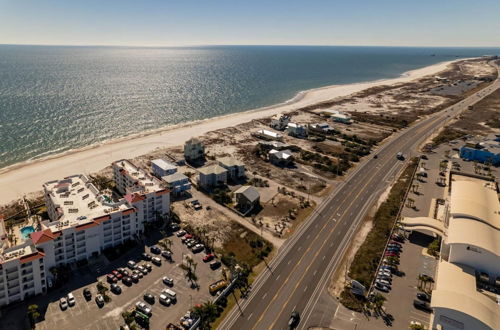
[208, 257]
[294, 320]
[111, 278]
[168, 281]
[148, 267]
[398, 238]
[117, 274]
[99, 300]
[188, 236]
[154, 249]
[215, 264]
[422, 306]
[148, 297]
[143, 308]
[181, 233]
[135, 278]
[184, 239]
[164, 299]
[198, 248]
[171, 294]
[127, 281]
[424, 296]
[156, 261]
[385, 278]
[123, 271]
[116, 289]
[383, 288]
[87, 294]
[63, 303]
[146, 256]
[71, 299]
[131, 264]
[142, 269]
[167, 255]
[383, 282]
[175, 227]
[138, 273]
[390, 254]
[191, 243]
[384, 272]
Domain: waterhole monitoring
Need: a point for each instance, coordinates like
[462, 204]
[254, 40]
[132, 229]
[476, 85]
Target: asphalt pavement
[299, 274]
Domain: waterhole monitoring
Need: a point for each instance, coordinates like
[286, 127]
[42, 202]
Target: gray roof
[230, 161]
[212, 169]
[249, 192]
[174, 177]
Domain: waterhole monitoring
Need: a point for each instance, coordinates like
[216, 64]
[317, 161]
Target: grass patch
[448, 134]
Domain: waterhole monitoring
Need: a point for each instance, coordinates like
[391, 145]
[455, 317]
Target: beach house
[162, 168]
[177, 183]
[211, 176]
[296, 130]
[194, 150]
[281, 158]
[341, 118]
[235, 168]
[247, 197]
[280, 122]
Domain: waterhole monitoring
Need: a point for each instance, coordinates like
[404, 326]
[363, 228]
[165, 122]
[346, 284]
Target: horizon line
[241, 45]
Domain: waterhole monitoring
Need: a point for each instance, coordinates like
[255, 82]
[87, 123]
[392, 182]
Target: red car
[208, 257]
[111, 278]
[188, 236]
[390, 254]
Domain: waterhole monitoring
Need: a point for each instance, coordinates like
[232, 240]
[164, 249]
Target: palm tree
[33, 315]
[210, 310]
[166, 243]
[378, 301]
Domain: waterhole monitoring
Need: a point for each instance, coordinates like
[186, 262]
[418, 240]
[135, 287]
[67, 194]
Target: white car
[384, 272]
[165, 300]
[71, 299]
[143, 307]
[168, 281]
[131, 264]
[63, 303]
[181, 233]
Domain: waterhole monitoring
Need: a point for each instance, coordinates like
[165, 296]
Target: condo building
[83, 222]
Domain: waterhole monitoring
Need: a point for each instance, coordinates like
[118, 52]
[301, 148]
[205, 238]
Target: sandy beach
[26, 177]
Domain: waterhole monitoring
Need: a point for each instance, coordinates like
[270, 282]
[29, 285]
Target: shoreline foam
[28, 176]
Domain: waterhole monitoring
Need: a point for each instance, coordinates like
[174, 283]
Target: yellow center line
[333, 229]
[322, 245]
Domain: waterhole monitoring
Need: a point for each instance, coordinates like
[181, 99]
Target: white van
[131, 264]
[171, 294]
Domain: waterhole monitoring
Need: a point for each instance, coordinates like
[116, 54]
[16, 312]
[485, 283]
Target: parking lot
[87, 315]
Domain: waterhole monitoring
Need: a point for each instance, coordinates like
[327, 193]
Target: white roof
[174, 177]
[269, 133]
[146, 181]
[78, 201]
[164, 165]
[341, 115]
[456, 290]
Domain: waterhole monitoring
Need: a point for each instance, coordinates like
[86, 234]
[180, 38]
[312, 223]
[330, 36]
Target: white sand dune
[26, 177]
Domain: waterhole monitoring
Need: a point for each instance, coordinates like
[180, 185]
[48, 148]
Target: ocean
[57, 98]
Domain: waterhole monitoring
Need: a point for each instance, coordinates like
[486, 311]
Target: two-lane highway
[306, 262]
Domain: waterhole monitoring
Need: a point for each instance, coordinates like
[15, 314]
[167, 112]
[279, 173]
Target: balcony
[13, 285]
[11, 270]
[27, 272]
[13, 277]
[27, 279]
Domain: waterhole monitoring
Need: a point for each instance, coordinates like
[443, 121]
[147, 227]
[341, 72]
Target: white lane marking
[264, 296]
[324, 257]
[289, 261]
[315, 272]
[249, 316]
[305, 289]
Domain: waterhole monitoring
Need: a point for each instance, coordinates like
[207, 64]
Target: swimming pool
[26, 231]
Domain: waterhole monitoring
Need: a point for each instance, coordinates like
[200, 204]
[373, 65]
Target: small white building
[324, 127]
[177, 183]
[194, 150]
[235, 168]
[296, 130]
[268, 135]
[212, 175]
[162, 168]
[341, 118]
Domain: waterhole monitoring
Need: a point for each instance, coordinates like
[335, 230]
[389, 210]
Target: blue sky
[278, 22]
